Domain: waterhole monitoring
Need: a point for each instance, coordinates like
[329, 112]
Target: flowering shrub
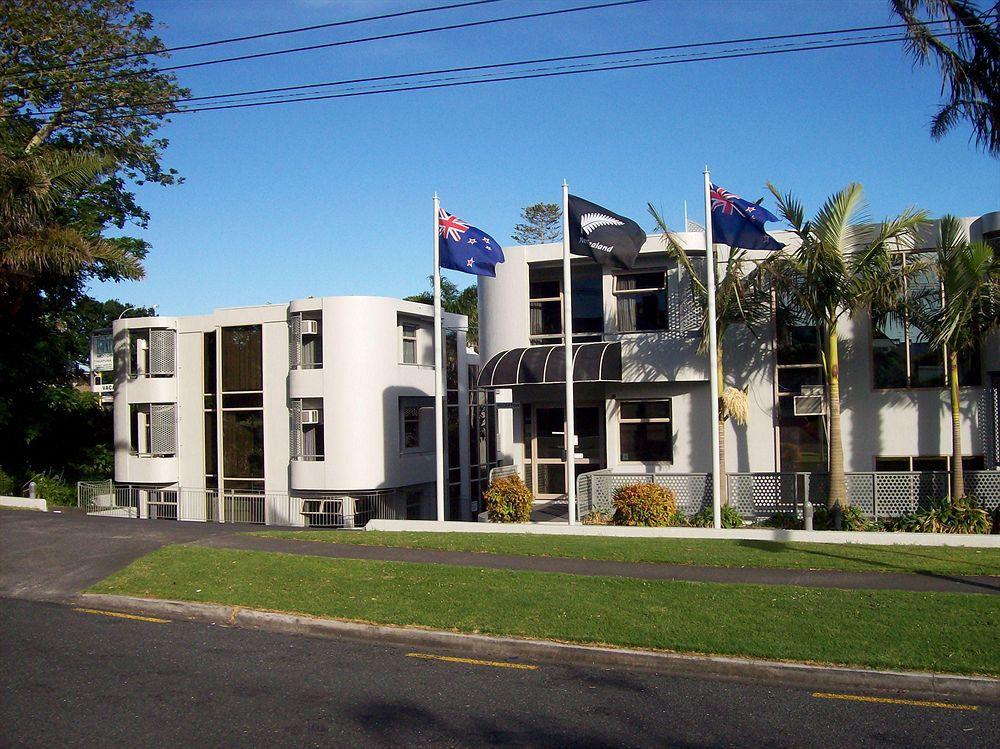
[645, 505]
[508, 500]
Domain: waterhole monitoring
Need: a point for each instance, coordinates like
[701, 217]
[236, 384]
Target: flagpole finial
[565, 184]
[435, 195]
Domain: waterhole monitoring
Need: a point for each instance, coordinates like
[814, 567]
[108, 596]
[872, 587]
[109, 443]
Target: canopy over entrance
[546, 365]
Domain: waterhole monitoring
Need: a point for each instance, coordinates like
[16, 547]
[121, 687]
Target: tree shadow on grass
[776, 547]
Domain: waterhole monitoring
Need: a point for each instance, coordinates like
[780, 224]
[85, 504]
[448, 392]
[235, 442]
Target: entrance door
[544, 465]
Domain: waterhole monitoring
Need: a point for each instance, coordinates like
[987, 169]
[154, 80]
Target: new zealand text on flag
[605, 236]
[465, 248]
[740, 223]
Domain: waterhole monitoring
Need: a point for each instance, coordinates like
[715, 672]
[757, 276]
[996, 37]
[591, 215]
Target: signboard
[102, 352]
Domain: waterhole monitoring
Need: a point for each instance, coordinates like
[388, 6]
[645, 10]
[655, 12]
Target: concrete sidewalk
[643, 570]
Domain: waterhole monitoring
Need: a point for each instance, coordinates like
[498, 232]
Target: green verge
[712, 553]
[946, 632]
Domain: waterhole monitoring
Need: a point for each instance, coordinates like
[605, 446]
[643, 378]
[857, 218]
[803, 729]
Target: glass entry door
[544, 465]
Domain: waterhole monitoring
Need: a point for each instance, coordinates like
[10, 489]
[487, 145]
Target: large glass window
[646, 432]
[242, 363]
[641, 301]
[902, 355]
[242, 408]
[927, 463]
[546, 304]
[243, 440]
[801, 437]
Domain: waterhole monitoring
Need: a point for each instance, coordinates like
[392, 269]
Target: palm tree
[843, 265]
[969, 277]
[35, 236]
[742, 297]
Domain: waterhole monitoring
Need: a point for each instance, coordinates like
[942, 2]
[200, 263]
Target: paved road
[79, 679]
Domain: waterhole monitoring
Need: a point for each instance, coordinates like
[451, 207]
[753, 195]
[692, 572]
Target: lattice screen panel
[295, 342]
[295, 430]
[163, 429]
[161, 352]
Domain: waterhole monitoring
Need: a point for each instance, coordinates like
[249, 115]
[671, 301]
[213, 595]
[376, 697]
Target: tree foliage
[542, 222]
[969, 62]
[459, 302]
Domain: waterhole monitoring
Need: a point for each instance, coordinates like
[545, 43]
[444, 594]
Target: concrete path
[647, 571]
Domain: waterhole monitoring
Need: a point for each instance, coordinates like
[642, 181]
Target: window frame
[404, 338]
[631, 422]
[618, 294]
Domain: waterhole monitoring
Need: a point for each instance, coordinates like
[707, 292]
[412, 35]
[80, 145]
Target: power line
[535, 61]
[610, 66]
[264, 35]
[378, 37]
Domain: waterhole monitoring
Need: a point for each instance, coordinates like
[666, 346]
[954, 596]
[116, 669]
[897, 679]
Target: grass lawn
[712, 553]
[950, 632]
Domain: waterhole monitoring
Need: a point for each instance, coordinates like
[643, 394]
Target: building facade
[642, 398]
[306, 413]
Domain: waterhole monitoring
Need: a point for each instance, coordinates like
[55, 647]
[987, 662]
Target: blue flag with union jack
[740, 223]
[465, 248]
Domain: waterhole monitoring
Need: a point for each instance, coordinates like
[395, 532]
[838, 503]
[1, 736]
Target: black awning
[546, 365]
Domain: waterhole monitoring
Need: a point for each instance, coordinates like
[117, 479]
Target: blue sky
[334, 197]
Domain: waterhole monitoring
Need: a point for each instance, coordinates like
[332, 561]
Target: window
[902, 356]
[927, 463]
[646, 434]
[152, 429]
[416, 423]
[306, 431]
[409, 333]
[242, 408]
[411, 428]
[312, 340]
[151, 352]
[545, 304]
[801, 439]
[641, 301]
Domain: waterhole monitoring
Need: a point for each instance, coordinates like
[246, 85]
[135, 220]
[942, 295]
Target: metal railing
[882, 494]
[271, 508]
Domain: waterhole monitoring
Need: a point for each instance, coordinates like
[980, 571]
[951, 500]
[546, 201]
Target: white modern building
[315, 412]
[642, 398]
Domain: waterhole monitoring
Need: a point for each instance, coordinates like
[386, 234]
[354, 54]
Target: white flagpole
[438, 345]
[570, 436]
[713, 358]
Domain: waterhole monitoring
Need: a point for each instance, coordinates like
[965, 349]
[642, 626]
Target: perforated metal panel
[163, 429]
[295, 430]
[161, 352]
[901, 493]
[295, 342]
[985, 487]
[692, 490]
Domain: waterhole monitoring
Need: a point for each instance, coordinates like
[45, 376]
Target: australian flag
[465, 248]
[739, 223]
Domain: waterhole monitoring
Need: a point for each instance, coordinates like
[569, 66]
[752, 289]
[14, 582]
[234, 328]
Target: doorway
[544, 464]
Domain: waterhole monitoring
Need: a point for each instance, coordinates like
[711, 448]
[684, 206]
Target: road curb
[925, 684]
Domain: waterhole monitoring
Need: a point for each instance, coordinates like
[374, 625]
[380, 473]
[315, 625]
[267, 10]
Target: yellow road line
[120, 615]
[471, 661]
[893, 701]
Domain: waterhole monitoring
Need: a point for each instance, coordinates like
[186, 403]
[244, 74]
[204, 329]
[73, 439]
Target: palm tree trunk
[957, 472]
[721, 426]
[838, 487]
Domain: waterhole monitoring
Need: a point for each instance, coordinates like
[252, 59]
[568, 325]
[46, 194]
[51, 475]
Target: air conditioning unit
[815, 391]
[310, 327]
[809, 405]
[310, 416]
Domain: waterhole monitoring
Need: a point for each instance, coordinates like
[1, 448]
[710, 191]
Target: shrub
[731, 518]
[783, 520]
[946, 516]
[54, 490]
[8, 487]
[851, 520]
[644, 504]
[596, 517]
[508, 500]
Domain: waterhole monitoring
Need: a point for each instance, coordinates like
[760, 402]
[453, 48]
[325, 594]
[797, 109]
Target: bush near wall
[642, 504]
[54, 490]
[946, 516]
[508, 500]
[731, 518]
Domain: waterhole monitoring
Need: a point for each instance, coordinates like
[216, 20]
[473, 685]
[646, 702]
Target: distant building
[296, 413]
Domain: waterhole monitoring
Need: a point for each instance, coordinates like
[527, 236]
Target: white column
[570, 436]
[439, 446]
[713, 367]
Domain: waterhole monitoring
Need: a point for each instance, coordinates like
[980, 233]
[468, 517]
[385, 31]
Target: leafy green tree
[969, 62]
[742, 297]
[542, 223]
[81, 74]
[969, 275]
[464, 302]
[843, 265]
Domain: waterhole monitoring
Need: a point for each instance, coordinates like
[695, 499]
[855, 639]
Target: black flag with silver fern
[605, 236]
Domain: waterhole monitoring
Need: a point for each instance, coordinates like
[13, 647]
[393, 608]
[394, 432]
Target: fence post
[31, 489]
[348, 508]
[221, 494]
